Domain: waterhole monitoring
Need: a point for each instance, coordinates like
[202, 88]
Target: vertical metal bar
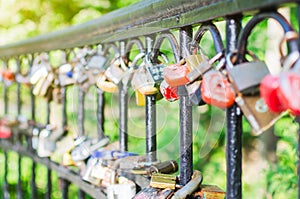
[81, 93]
[151, 128]
[32, 104]
[6, 185]
[49, 180]
[100, 113]
[5, 94]
[81, 112]
[64, 183]
[297, 119]
[186, 117]
[123, 109]
[234, 124]
[123, 117]
[19, 185]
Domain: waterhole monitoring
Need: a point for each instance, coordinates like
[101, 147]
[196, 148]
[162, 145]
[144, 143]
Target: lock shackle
[130, 44]
[158, 42]
[148, 59]
[141, 55]
[244, 35]
[107, 47]
[218, 44]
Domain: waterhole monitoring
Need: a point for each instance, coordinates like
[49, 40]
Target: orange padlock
[176, 74]
[216, 90]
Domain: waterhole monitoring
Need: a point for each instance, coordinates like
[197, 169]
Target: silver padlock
[121, 191]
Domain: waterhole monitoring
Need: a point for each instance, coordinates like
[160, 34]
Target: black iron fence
[99, 53]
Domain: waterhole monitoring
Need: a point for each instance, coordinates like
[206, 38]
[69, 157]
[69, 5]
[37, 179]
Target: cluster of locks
[220, 81]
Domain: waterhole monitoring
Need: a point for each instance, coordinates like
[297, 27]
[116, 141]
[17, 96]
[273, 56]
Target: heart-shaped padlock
[176, 74]
[289, 91]
[269, 92]
[216, 90]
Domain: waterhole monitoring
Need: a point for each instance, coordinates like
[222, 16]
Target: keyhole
[260, 106]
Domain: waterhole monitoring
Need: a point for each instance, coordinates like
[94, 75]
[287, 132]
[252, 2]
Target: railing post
[19, 138]
[32, 106]
[100, 113]
[151, 128]
[233, 124]
[49, 180]
[64, 183]
[81, 93]
[123, 109]
[186, 117]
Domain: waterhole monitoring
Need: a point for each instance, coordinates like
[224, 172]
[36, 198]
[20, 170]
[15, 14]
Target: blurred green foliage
[27, 18]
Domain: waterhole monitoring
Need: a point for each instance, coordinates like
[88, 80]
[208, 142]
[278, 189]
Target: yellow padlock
[192, 61]
[67, 159]
[106, 85]
[140, 98]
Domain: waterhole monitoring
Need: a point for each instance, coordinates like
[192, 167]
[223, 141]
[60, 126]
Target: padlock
[85, 149]
[289, 91]
[143, 81]
[189, 188]
[121, 191]
[156, 70]
[5, 130]
[194, 93]
[8, 77]
[115, 71]
[163, 181]
[176, 74]
[269, 92]
[105, 85]
[246, 78]
[65, 75]
[140, 98]
[198, 64]
[46, 146]
[47, 84]
[97, 61]
[210, 192]
[216, 90]
[150, 192]
[166, 167]
[87, 173]
[35, 138]
[67, 159]
[170, 93]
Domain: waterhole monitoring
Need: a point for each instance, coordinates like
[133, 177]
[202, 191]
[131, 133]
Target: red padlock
[216, 90]
[8, 75]
[176, 74]
[169, 92]
[289, 91]
[5, 131]
[269, 88]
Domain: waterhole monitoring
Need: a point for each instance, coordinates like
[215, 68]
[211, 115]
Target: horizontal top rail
[142, 18]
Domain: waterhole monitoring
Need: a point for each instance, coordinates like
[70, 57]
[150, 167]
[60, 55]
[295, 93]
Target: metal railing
[145, 24]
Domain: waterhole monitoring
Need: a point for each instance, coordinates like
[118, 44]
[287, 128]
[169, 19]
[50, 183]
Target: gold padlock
[67, 159]
[106, 85]
[163, 181]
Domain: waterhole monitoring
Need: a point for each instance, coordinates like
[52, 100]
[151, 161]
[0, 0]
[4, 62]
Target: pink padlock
[269, 87]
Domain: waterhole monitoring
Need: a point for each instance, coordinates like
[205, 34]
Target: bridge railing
[84, 50]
